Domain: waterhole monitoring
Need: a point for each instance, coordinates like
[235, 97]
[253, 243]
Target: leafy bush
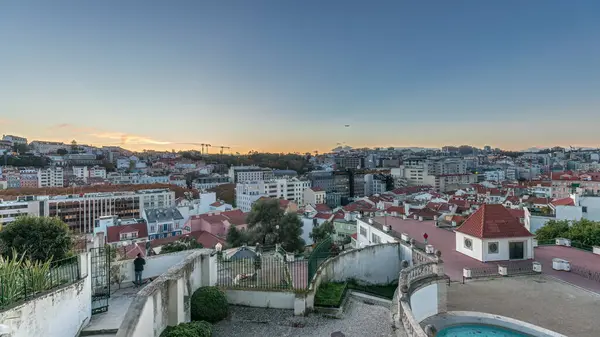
[182, 244]
[192, 329]
[209, 304]
[38, 238]
[330, 294]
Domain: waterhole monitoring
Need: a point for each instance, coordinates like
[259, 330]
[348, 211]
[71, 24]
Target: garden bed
[331, 295]
[381, 290]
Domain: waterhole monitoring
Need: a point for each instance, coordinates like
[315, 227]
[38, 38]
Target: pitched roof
[563, 202]
[321, 208]
[205, 238]
[113, 233]
[493, 221]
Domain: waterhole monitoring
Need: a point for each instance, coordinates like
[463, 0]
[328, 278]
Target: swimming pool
[476, 330]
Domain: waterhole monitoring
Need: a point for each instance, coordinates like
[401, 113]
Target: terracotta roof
[316, 189]
[563, 202]
[538, 201]
[517, 213]
[493, 221]
[513, 200]
[324, 216]
[322, 208]
[236, 216]
[397, 209]
[411, 190]
[205, 238]
[113, 233]
[216, 204]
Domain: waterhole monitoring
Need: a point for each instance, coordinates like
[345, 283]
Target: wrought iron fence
[267, 270]
[29, 282]
[322, 252]
[584, 272]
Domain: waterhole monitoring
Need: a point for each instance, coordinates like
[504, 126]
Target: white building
[496, 175]
[288, 189]
[493, 233]
[123, 163]
[14, 140]
[85, 172]
[42, 147]
[314, 196]
[51, 177]
[368, 234]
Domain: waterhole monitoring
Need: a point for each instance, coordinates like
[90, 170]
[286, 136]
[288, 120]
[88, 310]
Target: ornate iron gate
[100, 260]
[321, 253]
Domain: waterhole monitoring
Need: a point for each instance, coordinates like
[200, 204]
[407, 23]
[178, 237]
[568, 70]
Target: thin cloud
[121, 138]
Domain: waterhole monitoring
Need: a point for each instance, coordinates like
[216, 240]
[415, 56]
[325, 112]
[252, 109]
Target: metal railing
[29, 282]
[584, 272]
[268, 271]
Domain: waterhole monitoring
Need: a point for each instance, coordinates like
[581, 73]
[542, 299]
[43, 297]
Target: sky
[286, 75]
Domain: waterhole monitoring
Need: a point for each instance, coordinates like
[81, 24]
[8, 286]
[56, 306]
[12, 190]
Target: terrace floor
[359, 320]
[540, 300]
[454, 262]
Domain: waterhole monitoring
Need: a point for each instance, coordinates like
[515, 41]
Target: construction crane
[224, 147]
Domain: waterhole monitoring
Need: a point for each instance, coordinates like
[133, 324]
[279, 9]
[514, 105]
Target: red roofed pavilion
[493, 233]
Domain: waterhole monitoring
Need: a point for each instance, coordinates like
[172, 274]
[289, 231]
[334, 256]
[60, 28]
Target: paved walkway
[110, 321]
[538, 300]
[359, 320]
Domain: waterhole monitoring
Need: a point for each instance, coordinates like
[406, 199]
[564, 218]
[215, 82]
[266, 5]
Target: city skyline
[279, 77]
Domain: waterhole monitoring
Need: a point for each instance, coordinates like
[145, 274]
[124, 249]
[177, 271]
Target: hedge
[209, 304]
[192, 329]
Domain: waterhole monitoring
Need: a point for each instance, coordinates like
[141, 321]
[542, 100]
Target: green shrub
[209, 304]
[192, 329]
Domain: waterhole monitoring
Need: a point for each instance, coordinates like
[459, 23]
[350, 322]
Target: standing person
[138, 265]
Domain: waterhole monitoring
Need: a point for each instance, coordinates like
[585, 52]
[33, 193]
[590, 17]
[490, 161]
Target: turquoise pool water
[478, 331]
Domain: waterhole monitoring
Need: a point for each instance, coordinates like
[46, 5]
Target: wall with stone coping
[261, 299]
[63, 312]
[165, 301]
[375, 264]
[155, 266]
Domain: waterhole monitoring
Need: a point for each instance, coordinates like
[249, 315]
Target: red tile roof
[324, 216]
[205, 238]
[113, 233]
[316, 189]
[563, 202]
[491, 222]
[397, 209]
[322, 208]
[538, 201]
[216, 204]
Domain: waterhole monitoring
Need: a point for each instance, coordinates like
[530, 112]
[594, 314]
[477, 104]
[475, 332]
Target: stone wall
[155, 266]
[376, 264]
[165, 301]
[63, 312]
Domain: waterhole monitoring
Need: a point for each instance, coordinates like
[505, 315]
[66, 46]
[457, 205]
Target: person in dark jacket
[138, 265]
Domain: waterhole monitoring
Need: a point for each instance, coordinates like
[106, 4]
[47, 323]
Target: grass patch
[381, 290]
[330, 294]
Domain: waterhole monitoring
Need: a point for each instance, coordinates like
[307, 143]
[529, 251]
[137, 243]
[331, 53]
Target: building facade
[51, 177]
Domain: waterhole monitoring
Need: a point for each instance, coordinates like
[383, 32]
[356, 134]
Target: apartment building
[349, 162]
[314, 196]
[29, 178]
[242, 174]
[80, 210]
[288, 189]
[51, 177]
[206, 182]
[375, 184]
[9, 210]
[85, 172]
[566, 183]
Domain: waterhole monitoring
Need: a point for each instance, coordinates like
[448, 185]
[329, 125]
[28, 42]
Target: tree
[553, 229]
[38, 238]
[182, 244]
[268, 224]
[62, 152]
[74, 147]
[236, 238]
[584, 231]
[322, 231]
[20, 148]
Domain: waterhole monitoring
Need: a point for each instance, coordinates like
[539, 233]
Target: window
[151, 229]
[584, 209]
[134, 235]
[375, 238]
[469, 244]
[124, 236]
[493, 247]
[363, 231]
